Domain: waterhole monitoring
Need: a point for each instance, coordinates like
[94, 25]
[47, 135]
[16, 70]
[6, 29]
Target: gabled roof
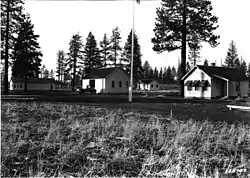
[220, 72]
[34, 80]
[103, 72]
[148, 81]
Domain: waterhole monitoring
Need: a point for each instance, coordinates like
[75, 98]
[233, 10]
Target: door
[92, 83]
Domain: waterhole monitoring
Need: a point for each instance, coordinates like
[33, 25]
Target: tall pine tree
[243, 65]
[46, 73]
[168, 76]
[179, 74]
[177, 21]
[194, 50]
[26, 53]
[75, 57]
[232, 59]
[51, 73]
[248, 70]
[61, 64]
[11, 17]
[174, 74]
[146, 69]
[115, 46]
[104, 50]
[137, 64]
[91, 55]
[161, 75]
[156, 73]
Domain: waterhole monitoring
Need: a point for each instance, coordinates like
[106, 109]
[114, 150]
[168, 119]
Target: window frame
[189, 88]
[205, 88]
[196, 88]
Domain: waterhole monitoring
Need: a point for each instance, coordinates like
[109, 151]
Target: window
[127, 83]
[92, 83]
[17, 86]
[113, 83]
[21, 86]
[156, 86]
[204, 88]
[189, 87]
[196, 84]
[120, 84]
[152, 86]
[204, 85]
[14, 85]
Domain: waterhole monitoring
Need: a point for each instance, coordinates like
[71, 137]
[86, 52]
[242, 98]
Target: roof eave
[221, 77]
[189, 72]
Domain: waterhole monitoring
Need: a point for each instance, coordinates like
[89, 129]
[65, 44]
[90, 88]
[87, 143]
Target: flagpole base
[130, 94]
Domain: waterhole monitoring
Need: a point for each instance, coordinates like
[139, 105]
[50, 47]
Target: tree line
[82, 57]
[233, 60]
[166, 75]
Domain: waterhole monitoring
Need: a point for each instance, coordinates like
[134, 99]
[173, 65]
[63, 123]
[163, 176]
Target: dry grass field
[46, 139]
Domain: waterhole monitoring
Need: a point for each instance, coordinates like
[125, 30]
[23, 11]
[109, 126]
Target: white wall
[197, 75]
[99, 85]
[153, 84]
[117, 76]
[18, 86]
[85, 83]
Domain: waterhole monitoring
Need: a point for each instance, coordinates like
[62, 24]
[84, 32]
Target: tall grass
[43, 139]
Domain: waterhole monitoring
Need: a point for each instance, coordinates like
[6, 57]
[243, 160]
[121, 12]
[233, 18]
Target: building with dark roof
[148, 85]
[17, 84]
[215, 82]
[107, 80]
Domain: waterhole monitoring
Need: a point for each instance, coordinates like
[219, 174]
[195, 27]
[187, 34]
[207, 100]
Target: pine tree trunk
[115, 56]
[6, 64]
[25, 84]
[105, 60]
[74, 75]
[183, 48]
[61, 79]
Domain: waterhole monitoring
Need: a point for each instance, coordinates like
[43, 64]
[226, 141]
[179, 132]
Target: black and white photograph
[125, 88]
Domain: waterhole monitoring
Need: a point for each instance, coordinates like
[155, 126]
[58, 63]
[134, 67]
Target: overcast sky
[57, 21]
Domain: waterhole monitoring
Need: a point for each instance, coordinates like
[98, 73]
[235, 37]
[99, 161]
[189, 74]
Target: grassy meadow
[45, 139]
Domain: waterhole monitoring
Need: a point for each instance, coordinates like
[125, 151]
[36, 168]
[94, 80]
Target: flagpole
[132, 57]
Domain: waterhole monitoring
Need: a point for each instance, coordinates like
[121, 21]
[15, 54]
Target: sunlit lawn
[45, 139]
